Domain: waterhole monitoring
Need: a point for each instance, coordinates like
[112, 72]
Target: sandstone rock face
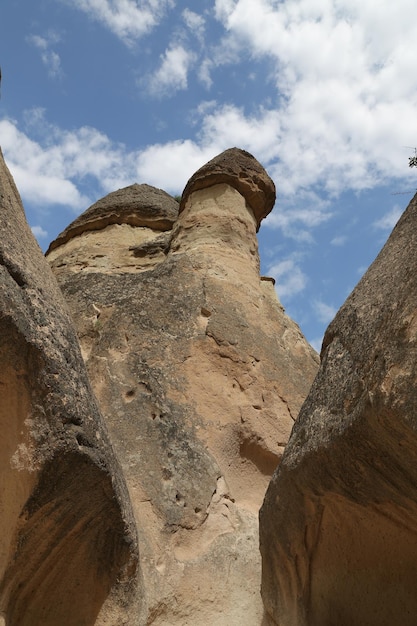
[200, 375]
[67, 536]
[338, 525]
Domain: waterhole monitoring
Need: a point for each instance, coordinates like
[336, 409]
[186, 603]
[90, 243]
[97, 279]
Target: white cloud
[231, 127]
[42, 188]
[39, 232]
[50, 58]
[52, 172]
[195, 23]
[172, 73]
[204, 72]
[127, 19]
[297, 223]
[339, 240]
[324, 312]
[345, 70]
[388, 221]
[180, 160]
[36, 171]
[290, 280]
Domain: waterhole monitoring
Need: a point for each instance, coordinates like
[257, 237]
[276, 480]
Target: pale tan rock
[67, 537]
[200, 375]
[338, 524]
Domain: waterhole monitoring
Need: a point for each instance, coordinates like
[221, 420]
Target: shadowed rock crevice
[14, 271]
[17, 467]
[350, 558]
[364, 564]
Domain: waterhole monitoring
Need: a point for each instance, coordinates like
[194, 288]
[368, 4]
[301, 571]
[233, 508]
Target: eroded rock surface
[200, 375]
[338, 525]
[67, 537]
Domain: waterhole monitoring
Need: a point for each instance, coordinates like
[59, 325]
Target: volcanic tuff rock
[67, 537]
[338, 525]
[137, 205]
[200, 375]
[240, 170]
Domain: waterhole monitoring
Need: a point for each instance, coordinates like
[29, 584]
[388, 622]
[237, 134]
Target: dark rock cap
[240, 170]
[137, 205]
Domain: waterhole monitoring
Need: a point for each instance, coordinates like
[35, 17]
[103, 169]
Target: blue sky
[98, 94]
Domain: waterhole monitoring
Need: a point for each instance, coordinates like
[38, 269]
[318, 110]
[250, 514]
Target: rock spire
[240, 170]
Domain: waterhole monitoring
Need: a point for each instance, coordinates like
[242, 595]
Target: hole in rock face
[130, 395]
[83, 441]
[166, 473]
[180, 500]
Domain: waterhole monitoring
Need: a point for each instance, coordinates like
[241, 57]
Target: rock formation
[67, 537]
[198, 372]
[338, 526]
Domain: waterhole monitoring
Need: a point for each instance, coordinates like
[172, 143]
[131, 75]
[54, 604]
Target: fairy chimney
[200, 375]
